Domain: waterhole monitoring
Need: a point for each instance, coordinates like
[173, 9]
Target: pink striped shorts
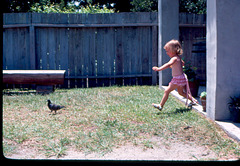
[180, 80]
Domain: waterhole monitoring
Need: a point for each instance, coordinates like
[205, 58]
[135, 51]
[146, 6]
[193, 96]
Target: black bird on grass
[54, 107]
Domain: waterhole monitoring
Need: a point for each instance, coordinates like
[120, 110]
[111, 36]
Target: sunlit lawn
[99, 119]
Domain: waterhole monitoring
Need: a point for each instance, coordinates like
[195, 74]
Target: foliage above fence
[70, 8]
[188, 6]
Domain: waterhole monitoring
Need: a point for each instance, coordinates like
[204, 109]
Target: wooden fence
[94, 49]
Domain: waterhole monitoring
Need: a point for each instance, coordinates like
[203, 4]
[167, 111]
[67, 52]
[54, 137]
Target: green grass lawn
[99, 119]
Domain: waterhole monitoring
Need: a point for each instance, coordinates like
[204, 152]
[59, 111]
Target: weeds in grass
[99, 119]
[148, 144]
[56, 149]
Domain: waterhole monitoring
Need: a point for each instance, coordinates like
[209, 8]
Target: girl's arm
[183, 63]
[166, 65]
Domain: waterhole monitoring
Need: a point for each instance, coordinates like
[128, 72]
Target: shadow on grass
[177, 111]
[182, 110]
[27, 92]
[18, 93]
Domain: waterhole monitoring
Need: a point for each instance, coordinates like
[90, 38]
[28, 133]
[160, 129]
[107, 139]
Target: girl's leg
[169, 89]
[184, 94]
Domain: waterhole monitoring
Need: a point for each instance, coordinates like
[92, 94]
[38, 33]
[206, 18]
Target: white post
[168, 18]
[223, 57]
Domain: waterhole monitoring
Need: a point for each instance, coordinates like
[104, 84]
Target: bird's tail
[62, 107]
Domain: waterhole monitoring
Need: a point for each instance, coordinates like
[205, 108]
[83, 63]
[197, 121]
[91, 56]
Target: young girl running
[179, 81]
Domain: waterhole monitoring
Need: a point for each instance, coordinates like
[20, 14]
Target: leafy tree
[71, 7]
[14, 6]
[144, 5]
[193, 6]
[189, 6]
[118, 5]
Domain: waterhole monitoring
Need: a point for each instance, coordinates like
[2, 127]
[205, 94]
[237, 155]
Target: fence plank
[126, 56]
[147, 54]
[154, 53]
[92, 57]
[38, 49]
[81, 61]
[109, 53]
[99, 55]
[20, 45]
[135, 55]
[43, 36]
[119, 55]
[7, 49]
[63, 48]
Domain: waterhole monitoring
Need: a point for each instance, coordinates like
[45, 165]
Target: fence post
[168, 17]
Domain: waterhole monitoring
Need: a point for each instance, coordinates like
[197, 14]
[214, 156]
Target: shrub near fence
[94, 49]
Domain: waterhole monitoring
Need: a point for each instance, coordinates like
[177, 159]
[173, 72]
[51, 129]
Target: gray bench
[44, 79]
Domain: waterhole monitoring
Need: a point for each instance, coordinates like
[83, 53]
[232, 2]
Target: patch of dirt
[160, 151]
[182, 152]
[26, 153]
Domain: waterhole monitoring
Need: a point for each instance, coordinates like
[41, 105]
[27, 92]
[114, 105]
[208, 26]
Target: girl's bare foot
[194, 101]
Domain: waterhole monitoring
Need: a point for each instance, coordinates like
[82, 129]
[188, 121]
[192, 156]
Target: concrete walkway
[232, 129]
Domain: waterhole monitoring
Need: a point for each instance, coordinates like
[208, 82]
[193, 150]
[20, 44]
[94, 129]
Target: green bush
[70, 8]
[203, 94]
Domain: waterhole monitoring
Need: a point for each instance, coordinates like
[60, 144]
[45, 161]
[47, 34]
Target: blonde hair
[174, 46]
